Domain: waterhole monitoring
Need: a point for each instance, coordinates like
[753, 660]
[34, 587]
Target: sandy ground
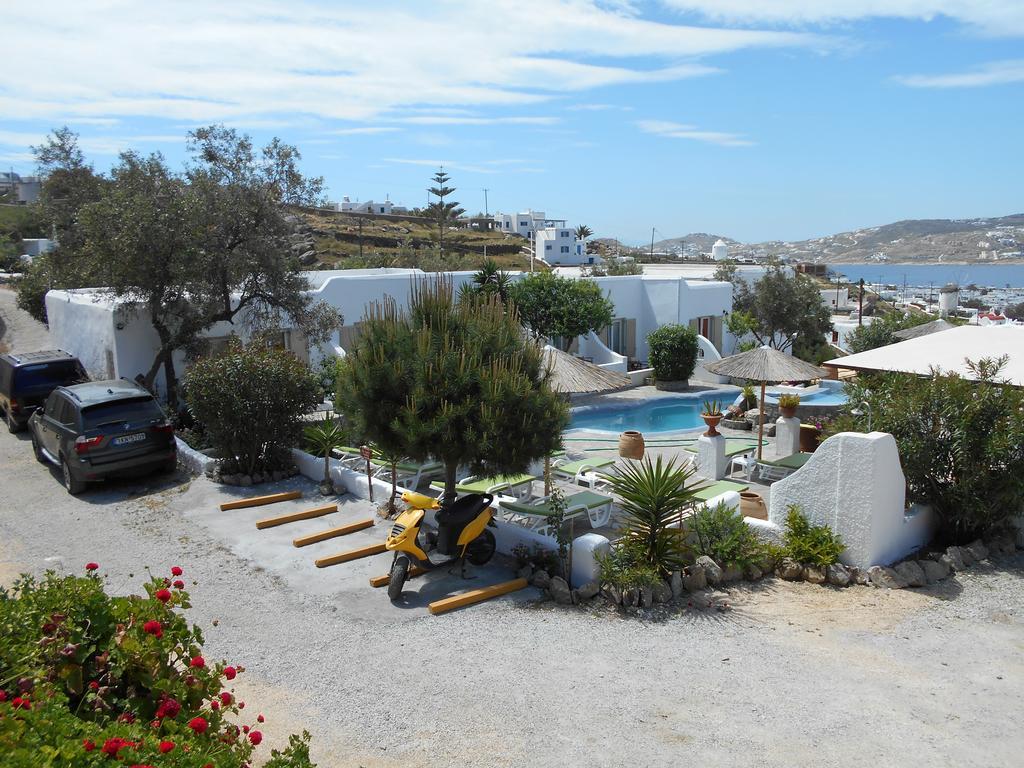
[789, 674]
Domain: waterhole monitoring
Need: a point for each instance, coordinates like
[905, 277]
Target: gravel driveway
[19, 330]
[790, 674]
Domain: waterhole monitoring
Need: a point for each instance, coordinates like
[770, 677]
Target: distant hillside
[701, 241]
[924, 240]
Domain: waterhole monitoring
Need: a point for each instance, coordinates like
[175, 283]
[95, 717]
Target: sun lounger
[733, 447]
[537, 514]
[780, 468]
[519, 486]
[410, 474]
[584, 471]
[709, 492]
[348, 456]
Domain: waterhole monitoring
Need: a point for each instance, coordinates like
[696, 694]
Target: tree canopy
[442, 211]
[880, 332]
[553, 306]
[451, 379]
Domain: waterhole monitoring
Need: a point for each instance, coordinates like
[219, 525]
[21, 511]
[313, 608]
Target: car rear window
[51, 375]
[121, 411]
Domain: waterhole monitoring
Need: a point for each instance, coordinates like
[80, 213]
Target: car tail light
[166, 428]
[83, 443]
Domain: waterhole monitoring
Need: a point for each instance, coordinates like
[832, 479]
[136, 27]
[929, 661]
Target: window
[66, 414]
[382, 209]
[617, 336]
[565, 249]
[547, 246]
[564, 233]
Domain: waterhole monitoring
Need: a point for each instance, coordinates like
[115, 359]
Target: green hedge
[673, 352]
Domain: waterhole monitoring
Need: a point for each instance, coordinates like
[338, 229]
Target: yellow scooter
[461, 535]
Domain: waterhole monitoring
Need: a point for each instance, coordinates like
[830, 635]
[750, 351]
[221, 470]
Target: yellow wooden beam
[476, 596]
[382, 581]
[258, 501]
[353, 554]
[306, 514]
[330, 533]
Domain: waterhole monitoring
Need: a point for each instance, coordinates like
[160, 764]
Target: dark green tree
[442, 212]
[453, 380]
[550, 305]
[880, 332]
[491, 279]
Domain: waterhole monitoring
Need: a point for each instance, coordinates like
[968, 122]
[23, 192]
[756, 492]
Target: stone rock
[967, 556]
[911, 573]
[307, 258]
[838, 575]
[675, 584]
[753, 573]
[588, 590]
[712, 572]
[257, 478]
[340, 489]
[277, 475]
[885, 578]
[955, 558]
[244, 480]
[731, 573]
[560, 591]
[613, 594]
[814, 574]
[769, 431]
[661, 592]
[790, 570]
[934, 570]
[630, 597]
[541, 579]
[859, 576]
[754, 416]
[695, 579]
[646, 597]
[978, 550]
[1001, 545]
[525, 572]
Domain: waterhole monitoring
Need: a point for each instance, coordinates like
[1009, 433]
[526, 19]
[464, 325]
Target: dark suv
[26, 378]
[104, 428]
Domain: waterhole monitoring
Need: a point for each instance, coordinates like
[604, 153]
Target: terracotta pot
[789, 413]
[712, 422]
[752, 505]
[631, 445]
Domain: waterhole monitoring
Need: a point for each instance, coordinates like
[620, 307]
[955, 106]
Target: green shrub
[625, 566]
[722, 534]
[87, 679]
[250, 401]
[673, 352]
[810, 544]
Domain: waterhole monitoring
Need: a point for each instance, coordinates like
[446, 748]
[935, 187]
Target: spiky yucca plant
[653, 496]
[322, 438]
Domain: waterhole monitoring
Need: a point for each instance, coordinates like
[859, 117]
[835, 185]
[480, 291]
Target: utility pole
[860, 308]
[652, 244]
[487, 210]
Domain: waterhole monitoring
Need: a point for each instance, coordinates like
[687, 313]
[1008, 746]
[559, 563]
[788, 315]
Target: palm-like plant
[321, 439]
[583, 232]
[653, 496]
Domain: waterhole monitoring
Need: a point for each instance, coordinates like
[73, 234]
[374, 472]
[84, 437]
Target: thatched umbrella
[765, 364]
[572, 376]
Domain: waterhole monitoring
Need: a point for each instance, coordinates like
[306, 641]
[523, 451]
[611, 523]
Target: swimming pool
[664, 414]
[826, 393]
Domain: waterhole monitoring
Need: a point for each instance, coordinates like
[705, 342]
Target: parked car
[102, 429]
[27, 378]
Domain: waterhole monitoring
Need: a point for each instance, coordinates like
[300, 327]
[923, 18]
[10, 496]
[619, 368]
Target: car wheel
[12, 425]
[38, 450]
[73, 486]
[169, 466]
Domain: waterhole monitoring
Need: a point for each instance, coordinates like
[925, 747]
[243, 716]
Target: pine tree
[442, 211]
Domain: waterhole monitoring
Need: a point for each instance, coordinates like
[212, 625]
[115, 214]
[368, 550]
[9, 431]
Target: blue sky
[749, 118]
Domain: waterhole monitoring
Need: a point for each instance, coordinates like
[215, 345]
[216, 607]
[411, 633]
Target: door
[49, 424]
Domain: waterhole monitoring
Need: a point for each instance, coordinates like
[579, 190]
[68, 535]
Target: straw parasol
[765, 364]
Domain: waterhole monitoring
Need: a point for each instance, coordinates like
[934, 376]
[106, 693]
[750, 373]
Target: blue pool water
[831, 393]
[666, 414]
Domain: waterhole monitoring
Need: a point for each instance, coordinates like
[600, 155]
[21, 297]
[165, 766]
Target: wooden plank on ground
[306, 514]
[353, 554]
[258, 501]
[476, 596]
[330, 533]
[382, 581]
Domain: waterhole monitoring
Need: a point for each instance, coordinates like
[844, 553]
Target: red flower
[112, 746]
[168, 708]
[229, 673]
[260, 719]
[225, 698]
[241, 705]
[93, 685]
[92, 566]
[166, 746]
[245, 729]
[255, 737]
[88, 745]
[198, 724]
[126, 717]
[163, 595]
[21, 703]
[214, 705]
[179, 584]
[198, 662]
[153, 628]
[3, 696]
[176, 570]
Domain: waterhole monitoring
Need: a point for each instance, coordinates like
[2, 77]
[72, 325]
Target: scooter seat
[463, 510]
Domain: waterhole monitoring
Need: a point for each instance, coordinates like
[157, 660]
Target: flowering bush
[87, 679]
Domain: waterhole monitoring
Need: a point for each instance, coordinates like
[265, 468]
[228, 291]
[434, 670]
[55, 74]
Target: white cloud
[993, 73]
[91, 145]
[368, 130]
[465, 120]
[672, 130]
[195, 62]
[994, 17]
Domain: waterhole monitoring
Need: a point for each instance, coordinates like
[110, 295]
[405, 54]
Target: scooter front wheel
[399, 573]
[482, 548]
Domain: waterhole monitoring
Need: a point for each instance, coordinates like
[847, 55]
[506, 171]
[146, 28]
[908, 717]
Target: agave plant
[653, 496]
[712, 408]
[321, 439]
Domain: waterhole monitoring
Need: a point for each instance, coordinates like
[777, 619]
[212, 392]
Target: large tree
[204, 246]
[554, 306]
[443, 212]
[783, 309]
[451, 379]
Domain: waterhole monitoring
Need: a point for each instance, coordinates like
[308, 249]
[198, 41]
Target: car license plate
[136, 438]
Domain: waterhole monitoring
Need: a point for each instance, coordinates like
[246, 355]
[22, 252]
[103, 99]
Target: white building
[115, 339]
[524, 224]
[383, 208]
[558, 245]
[720, 250]
[837, 299]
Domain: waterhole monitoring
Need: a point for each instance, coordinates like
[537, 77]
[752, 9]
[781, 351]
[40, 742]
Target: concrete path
[19, 331]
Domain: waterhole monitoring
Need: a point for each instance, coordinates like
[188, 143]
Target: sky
[753, 119]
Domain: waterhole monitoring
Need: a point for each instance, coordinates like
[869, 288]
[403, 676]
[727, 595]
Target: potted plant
[788, 404]
[712, 414]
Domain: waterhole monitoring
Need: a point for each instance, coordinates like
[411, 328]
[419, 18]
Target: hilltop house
[382, 208]
[114, 338]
